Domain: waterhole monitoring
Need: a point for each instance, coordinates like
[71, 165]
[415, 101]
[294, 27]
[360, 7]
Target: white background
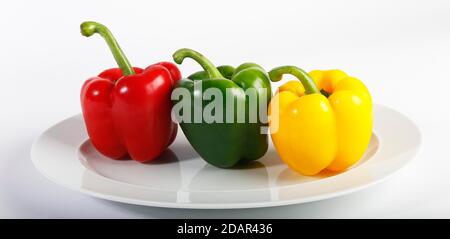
[401, 49]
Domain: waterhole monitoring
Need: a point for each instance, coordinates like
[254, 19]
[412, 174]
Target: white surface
[181, 179]
[401, 49]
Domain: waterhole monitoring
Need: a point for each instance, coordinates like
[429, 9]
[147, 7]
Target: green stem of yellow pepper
[276, 74]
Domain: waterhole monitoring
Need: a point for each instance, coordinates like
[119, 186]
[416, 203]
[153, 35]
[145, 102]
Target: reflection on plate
[180, 179]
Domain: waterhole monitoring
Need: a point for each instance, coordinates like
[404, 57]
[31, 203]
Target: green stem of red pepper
[207, 65]
[90, 28]
[308, 83]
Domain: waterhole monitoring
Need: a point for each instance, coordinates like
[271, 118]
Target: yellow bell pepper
[312, 132]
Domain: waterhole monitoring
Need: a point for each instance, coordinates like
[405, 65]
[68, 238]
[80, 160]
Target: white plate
[181, 179]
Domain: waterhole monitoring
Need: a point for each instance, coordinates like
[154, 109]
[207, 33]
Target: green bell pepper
[229, 142]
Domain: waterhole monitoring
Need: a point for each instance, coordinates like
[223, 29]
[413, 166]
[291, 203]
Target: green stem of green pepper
[207, 65]
[308, 83]
[90, 28]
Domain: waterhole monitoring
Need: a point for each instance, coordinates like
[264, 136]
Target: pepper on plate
[127, 110]
[323, 121]
[228, 141]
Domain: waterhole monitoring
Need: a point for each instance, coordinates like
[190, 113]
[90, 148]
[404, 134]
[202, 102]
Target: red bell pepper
[127, 110]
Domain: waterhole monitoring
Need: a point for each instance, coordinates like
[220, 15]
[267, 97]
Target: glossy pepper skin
[312, 132]
[127, 111]
[225, 144]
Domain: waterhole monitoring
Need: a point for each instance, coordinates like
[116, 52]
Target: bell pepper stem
[90, 28]
[206, 64]
[276, 74]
